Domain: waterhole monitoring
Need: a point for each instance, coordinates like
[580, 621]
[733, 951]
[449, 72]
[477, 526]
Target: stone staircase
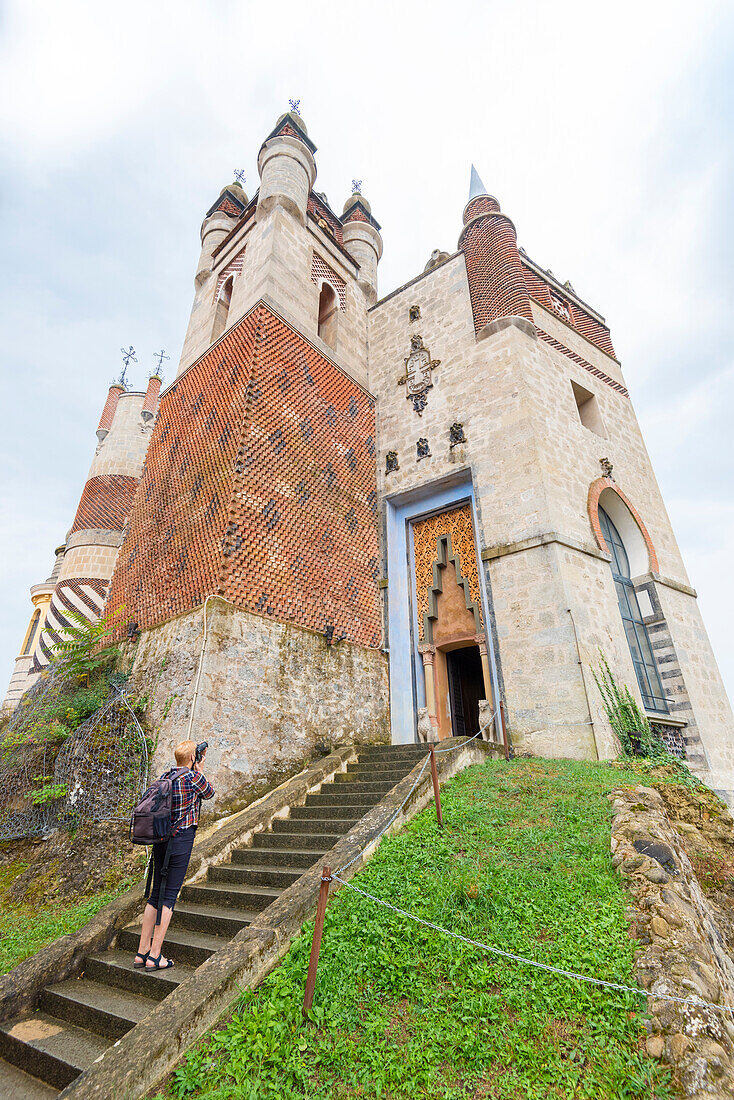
[77, 1019]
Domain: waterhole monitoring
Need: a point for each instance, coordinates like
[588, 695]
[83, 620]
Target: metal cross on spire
[160, 356]
[240, 176]
[356, 187]
[294, 105]
[128, 357]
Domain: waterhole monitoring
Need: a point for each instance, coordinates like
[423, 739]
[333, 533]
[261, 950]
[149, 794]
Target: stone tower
[85, 563]
[365, 518]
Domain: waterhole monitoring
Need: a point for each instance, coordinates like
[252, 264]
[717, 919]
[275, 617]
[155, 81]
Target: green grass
[400, 1011]
[26, 927]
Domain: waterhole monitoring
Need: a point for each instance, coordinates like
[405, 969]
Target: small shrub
[49, 792]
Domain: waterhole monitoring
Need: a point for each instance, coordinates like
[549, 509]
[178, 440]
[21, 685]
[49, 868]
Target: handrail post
[313, 962]
[436, 788]
[503, 723]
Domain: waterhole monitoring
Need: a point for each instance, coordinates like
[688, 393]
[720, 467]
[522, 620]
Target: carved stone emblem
[417, 378]
[422, 448]
[606, 467]
[391, 462]
[456, 434]
[414, 313]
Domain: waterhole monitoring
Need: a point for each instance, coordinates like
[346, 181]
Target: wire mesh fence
[103, 765]
[52, 775]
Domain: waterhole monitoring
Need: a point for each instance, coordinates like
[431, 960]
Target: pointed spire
[476, 187]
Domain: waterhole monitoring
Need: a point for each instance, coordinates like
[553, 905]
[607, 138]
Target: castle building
[381, 518]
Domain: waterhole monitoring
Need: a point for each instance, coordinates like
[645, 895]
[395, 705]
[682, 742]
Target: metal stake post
[436, 788]
[313, 962]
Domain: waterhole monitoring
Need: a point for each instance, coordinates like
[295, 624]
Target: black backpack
[151, 821]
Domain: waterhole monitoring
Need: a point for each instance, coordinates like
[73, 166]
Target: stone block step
[290, 858]
[316, 841]
[343, 796]
[49, 1048]
[116, 968]
[304, 826]
[223, 920]
[102, 1009]
[17, 1085]
[232, 895]
[279, 877]
[183, 945]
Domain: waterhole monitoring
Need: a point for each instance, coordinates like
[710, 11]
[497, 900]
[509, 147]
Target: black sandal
[144, 955]
[157, 960]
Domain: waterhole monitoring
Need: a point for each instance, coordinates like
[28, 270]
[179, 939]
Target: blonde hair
[183, 752]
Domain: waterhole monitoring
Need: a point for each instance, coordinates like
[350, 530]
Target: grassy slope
[27, 926]
[401, 1011]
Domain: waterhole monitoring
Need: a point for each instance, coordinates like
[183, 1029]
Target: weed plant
[26, 927]
[400, 1011]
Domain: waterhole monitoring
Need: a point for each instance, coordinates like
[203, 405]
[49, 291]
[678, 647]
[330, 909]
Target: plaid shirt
[188, 791]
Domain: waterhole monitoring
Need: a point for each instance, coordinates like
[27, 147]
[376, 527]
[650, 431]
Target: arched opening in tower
[328, 306]
[222, 309]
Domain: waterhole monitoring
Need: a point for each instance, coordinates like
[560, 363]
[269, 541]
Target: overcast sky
[605, 130]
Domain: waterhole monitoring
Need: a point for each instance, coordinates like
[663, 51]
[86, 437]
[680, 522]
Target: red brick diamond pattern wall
[260, 485]
[105, 503]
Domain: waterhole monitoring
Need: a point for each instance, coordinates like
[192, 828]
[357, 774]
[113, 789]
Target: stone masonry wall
[270, 693]
[683, 952]
[532, 462]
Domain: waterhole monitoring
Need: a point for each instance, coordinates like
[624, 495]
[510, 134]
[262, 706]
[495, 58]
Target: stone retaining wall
[683, 952]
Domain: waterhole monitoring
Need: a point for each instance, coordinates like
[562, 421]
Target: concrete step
[343, 796]
[390, 752]
[361, 786]
[49, 1048]
[17, 1085]
[223, 920]
[273, 841]
[363, 774]
[290, 858]
[186, 946]
[396, 760]
[230, 894]
[385, 767]
[102, 1009]
[304, 826]
[328, 811]
[116, 968]
[278, 877]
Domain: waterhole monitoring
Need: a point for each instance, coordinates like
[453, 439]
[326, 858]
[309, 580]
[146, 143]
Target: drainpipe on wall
[583, 681]
[201, 661]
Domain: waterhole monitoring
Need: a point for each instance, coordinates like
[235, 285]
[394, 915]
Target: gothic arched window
[638, 639]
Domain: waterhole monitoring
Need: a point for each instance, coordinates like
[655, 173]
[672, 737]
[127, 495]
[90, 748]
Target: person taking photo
[190, 786]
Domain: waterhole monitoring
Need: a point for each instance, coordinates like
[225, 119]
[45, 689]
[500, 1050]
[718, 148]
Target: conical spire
[476, 187]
